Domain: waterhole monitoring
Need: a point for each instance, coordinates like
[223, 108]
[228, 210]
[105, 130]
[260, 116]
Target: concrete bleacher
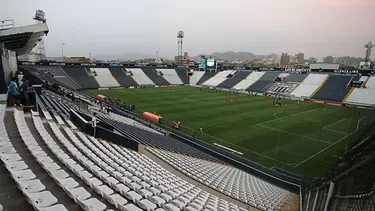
[363, 96]
[217, 78]
[230, 82]
[248, 81]
[105, 78]
[57, 73]
[80, 75]
[155, 76]
[197, 75]
[335, 88]
[264, 82]
[228, 180]
[183, 74]
[140, 77]
[370, 84]
[206, 76]
[123, 79]
[171, 76]
[260, 86]
[309, 85]
[295, 77]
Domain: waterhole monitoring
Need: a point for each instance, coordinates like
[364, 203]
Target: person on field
[14, 93]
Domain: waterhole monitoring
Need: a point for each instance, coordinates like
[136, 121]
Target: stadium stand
[264, 82]
[358, 81]
[183, 74]
[155, 76]
[282, 88]
[58, 74]
[197, 75]
[217, 78]
[370, 83]
[349, 185]
[363, 96]
[228, 180]
[334, 89]
[249, 80]
[105, 78]
[157, 140]
[206, 76]
[294, 77]
[122, 178]
[171, 76]
[140, 77]
[234, 79]
[33, 75]
[122, 77]
[309, 85]
[81, 75]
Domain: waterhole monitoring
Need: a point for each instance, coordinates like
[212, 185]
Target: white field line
[334, 123]
[336, 131]
[188, 100]
[288, 116]
[283, 131]
[243, 148]
[312, 156]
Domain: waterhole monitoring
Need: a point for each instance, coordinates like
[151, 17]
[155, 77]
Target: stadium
[171, 137]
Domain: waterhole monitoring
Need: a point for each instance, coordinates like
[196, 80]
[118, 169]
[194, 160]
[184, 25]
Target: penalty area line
[314, 155]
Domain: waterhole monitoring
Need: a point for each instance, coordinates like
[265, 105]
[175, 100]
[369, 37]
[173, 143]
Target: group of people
[231, 101]
[102, 107]
[19, 89]
[208, 89]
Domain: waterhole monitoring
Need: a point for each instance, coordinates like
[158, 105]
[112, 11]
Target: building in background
[285, 59]
[313, 60]
[77, 60]
[300, 58]
[328, 59]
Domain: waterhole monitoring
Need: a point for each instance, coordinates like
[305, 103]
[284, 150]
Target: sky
[114, 27]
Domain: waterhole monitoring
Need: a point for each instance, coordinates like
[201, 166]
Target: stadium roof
[23, 39]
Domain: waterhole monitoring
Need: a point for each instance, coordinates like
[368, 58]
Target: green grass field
[301, 138]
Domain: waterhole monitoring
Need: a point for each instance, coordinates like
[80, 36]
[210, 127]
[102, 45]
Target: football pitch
[304, 138]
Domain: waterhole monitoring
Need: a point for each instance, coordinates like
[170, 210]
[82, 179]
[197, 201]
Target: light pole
[62, 50]
[157, 56]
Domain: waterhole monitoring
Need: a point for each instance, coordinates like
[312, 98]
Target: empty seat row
[32, 188]
[228, 180]
[133, 176]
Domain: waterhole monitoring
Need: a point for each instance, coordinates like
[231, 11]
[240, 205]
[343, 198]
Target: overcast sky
[315, 27]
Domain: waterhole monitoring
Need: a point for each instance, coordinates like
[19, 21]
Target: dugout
[156, 119]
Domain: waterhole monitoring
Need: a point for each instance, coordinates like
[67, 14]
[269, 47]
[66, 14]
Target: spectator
[14, 92]
[20, 79]
[94, 122]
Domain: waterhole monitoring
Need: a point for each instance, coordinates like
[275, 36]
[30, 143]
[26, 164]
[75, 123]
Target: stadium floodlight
[180, 37]
[40, 16]
[62, 51]
[180, 34]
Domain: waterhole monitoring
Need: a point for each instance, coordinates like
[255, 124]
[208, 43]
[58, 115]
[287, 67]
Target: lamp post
[62, 50]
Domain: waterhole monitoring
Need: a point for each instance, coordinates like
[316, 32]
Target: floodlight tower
[180, 37]
[39, 49]
[368, 47]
